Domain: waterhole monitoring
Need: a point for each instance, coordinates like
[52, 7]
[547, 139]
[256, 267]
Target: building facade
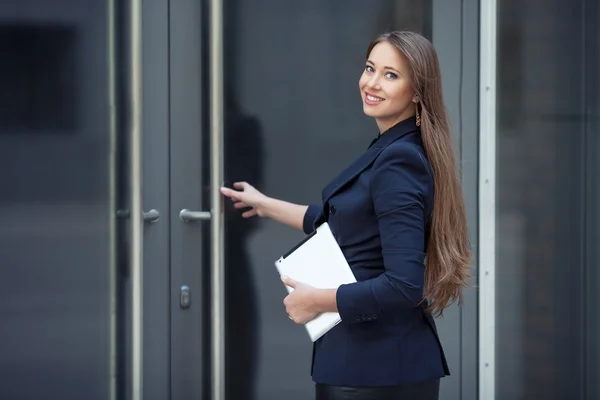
[126, 276]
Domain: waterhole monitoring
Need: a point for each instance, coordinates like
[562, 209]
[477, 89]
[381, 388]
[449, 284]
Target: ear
[415, 98]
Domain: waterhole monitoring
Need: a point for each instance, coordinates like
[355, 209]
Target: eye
[391, 75]
[368, 68]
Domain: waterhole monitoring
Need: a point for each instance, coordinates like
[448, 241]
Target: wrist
[265, 206]
[325, 300]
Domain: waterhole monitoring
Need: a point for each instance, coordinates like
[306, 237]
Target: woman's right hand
[247, 197]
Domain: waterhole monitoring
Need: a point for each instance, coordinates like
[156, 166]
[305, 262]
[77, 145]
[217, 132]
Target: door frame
[487, 200]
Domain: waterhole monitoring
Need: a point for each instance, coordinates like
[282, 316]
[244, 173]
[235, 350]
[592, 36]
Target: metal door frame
[487, 199]
[147, 60]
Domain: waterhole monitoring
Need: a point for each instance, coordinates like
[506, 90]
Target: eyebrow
[393, 69]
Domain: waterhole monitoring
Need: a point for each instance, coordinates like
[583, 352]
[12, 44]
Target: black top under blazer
[378, 210]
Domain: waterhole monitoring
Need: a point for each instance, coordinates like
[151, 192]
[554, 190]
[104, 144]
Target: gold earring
[417, 114]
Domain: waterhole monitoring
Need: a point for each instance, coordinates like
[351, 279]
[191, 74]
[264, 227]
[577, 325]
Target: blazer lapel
[366, 159]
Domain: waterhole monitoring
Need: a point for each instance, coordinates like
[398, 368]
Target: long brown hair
[448, 250]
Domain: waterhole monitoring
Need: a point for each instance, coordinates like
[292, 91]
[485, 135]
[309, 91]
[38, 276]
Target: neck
[384, 124]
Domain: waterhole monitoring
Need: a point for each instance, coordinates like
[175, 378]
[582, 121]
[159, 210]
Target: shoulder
[401, 176]
[408, 154]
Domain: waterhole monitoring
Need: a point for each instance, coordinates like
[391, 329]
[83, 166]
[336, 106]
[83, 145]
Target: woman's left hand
[300, 304]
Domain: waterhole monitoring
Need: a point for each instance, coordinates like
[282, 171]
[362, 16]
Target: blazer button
[332, 210]
[374, 316]
[358, 317]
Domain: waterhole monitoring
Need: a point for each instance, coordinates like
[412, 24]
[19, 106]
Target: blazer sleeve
[309, 218]
[399, 185]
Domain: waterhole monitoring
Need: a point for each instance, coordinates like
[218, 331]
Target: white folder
[319, 262]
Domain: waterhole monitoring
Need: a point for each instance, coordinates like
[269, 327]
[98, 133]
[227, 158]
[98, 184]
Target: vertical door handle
[137, 217]
[217, 115]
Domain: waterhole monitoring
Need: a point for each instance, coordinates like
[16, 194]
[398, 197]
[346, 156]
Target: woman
[395, 206]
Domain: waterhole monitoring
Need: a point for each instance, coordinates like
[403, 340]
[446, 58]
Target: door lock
[185, 297]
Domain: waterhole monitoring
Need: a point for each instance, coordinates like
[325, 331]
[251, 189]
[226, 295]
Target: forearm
[383, 296]
[284, 212]
[325, 300]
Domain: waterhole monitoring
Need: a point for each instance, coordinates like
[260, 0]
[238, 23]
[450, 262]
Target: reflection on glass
[547, 141]
[38, 90]
[243, 152]
[291, 73]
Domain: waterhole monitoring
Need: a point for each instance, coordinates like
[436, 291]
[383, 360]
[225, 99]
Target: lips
[372, 100]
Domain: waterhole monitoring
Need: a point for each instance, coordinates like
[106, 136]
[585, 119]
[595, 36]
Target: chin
[370, 112]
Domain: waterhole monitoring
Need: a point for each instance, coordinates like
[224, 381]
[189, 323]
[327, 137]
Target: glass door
[547, 200]
[283, 94]
[291, 73]
[59, 163]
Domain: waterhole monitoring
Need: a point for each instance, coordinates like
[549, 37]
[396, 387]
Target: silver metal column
[113, 159]
[136, 217]
[487, 200]
[217, 221]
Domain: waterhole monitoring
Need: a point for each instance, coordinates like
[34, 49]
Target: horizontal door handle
[151, 216]
[148, 216]
[188, 216]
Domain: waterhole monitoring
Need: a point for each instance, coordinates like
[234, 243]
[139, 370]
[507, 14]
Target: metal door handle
[188, 216]
[151, 216]
[148, 216]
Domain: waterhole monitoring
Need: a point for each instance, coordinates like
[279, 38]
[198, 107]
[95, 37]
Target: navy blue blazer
[378, 210]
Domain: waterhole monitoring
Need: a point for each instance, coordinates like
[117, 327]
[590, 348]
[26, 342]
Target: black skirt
[417, 391]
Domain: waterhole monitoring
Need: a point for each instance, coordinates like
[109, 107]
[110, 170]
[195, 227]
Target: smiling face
[385, 87]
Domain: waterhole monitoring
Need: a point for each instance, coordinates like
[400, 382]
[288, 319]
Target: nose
[373, 83]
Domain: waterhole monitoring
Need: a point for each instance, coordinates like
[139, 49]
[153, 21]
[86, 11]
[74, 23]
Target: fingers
[234, 194]
[238, 185]
[249, 213]
[288, 281]
[241, 185]
[228, 192]
[240, 204]
[236, 198]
